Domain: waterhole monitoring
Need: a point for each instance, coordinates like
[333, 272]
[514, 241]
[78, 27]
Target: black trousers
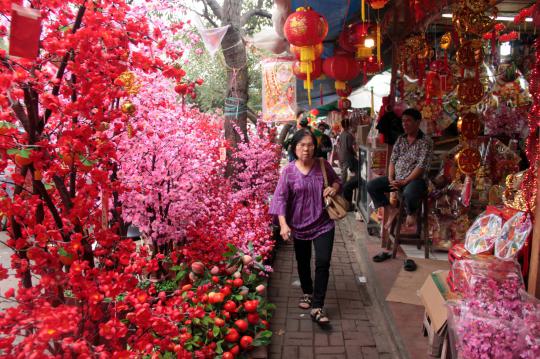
[412, 193]
[323, 253]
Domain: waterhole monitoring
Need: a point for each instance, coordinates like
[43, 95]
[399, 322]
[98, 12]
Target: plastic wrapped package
[513, 236]
[476, 333]
[481, 236]
[487, 279]
[476, 336]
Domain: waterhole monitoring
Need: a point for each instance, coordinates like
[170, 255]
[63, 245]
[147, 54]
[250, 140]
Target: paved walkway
[355, 330]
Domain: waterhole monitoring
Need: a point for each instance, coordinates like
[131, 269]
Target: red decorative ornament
[341, 68]
[345, 40]
[296, 51]
[372, 67]
[377, 4]
[359, 32]
[306, 28]
[301, 73]
[344, 104]
[445, 74]
[433, 87]
[344, 92]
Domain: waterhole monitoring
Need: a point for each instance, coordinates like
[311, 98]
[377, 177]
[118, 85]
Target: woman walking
[298, 202]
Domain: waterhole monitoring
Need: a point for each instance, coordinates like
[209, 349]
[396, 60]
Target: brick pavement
[353, 333]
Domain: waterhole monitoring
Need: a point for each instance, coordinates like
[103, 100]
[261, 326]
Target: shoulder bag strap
[323, 169]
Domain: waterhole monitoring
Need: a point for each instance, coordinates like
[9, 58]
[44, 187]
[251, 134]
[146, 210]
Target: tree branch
[216, 8]
[252, 116]
[254, 12]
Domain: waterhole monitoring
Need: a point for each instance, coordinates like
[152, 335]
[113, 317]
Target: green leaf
[215, 330]
[227, 254]
[177, 268]
[219, 349]
[265, 334]
[48, 186]
[25, 153]
[180, 275]
[232, 247]
[250, 247]
[64, 253]
[252, 277]
[238, 297]
[12, 151]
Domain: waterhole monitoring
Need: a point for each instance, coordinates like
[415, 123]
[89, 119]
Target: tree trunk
[234, 51]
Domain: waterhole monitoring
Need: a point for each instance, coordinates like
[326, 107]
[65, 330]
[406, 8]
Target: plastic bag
[483, 233]
[474, 336]
[513, 236]
[487, 279]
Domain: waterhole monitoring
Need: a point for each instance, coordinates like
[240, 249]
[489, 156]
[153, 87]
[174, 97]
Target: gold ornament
[469, 125]
[513, 196]
[468, 160]
[446, 41]
[128, 108]
[128, 80]
[470, 91]
[470, 54]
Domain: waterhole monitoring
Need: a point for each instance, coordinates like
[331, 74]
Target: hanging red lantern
[359, 33]
[341, 68]
[345, 40]
[377, 4]
[344, 104]
[372, 66]
[296, 50]
[306, 28]
[344, 92]
[300, 72]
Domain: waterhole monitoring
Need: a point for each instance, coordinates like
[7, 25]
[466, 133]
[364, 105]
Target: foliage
[62, 129]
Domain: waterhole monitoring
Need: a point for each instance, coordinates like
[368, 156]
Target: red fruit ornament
[219, 322]
[251, 305]
[241, 324]
[238, 282]
[246, 341]
[253, 318]
[226, 291]
[230, 306]
[197, 267]
[232, 336]
[227, 355]
[235, 350]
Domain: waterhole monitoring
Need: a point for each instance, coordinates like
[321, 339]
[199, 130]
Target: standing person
[326, 142]
[346, 149]
[409, 164]
[301, 122]
[298, 202]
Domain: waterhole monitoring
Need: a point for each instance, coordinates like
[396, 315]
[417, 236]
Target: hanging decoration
[377, 4]
[301, 73]
[279, 91]
[129, 83]
[306, 29]
[359, 34]
[341, 68]
[24, 32]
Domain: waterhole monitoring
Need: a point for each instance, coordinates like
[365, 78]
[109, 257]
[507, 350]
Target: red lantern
[344, 92]
[345, 41]
[306, 28]
[344, 104]
[359, 32]
[300, 71]
[433, 86]
[341, 68]
[372, 67]
[296, 51]
[377, 4]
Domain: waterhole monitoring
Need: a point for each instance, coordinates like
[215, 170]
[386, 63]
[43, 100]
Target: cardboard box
[434, 294]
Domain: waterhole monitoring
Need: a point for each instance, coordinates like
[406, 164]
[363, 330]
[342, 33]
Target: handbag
[336, 206]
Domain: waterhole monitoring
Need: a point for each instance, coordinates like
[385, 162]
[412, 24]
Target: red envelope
[24, 32]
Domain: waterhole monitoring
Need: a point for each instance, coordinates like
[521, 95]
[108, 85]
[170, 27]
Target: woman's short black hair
[414, 113]
[299, 136]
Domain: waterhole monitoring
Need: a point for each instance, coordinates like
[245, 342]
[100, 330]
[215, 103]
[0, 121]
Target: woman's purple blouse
[298, 197]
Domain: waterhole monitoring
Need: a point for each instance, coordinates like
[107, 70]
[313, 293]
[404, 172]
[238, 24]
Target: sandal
[319, 315]
[382, 257]
[305, 301]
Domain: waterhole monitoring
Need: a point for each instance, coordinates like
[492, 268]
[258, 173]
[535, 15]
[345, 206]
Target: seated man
[407, 171]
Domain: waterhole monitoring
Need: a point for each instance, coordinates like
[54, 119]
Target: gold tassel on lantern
[307, 53]
[378, 43]
[363, 5]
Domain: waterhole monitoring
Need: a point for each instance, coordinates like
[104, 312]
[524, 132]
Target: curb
[381, 309]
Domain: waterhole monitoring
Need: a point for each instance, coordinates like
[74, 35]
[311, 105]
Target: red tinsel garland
[529, 184]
